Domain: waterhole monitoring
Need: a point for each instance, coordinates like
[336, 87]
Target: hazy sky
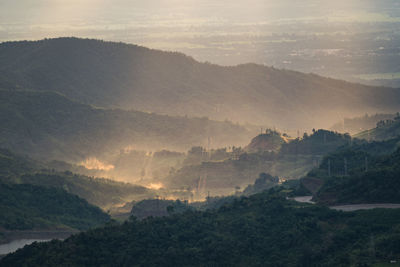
[32, 19]
[178, 24]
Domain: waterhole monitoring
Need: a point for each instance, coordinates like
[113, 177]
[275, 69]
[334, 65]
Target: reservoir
[19, 239]
[16, 244]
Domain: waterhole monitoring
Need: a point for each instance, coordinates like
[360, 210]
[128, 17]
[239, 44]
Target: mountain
[48, 125]
[378, 184]
[361, 173]
[319, 143]
[384, 130]
[269, 141]
[25, 206]
[264, 181]
[119, 75]
[262, 230]
[158, 208]
[13, 165]
[203, 174]
[360, 124]
[104, 193]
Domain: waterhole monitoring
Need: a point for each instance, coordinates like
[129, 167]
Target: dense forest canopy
[27, 206]
[360, 173]
[263, 230]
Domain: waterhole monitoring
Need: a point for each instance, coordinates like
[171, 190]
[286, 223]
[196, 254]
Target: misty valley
[114, 154]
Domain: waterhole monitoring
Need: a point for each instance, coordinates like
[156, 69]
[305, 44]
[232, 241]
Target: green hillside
[384, 130]
[27, 206]
[366, 173]
[269, 141]
[355, 125]
[104, 193]
[379, 184]
[48, 125]
[126, 76]
[320, 142]
[262, 230]
[158, 208]
[13, 165]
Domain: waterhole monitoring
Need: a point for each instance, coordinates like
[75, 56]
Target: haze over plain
[354, 40]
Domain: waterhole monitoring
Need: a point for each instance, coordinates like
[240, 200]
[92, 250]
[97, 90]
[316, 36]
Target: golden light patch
[93, 163]
[155, 186]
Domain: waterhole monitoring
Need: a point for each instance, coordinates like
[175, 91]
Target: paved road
[351, 207]
[355, 207]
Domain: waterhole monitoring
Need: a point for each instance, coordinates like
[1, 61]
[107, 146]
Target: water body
[305, 199]
[16, 244]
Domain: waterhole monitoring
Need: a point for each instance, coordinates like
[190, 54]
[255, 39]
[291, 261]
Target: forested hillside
[114, 153]
[266, 153]
[104, 193]
[359, 124]
[384, 130]
[378, 182]
[262, 230]
[47, 125]
[26, 207]
[366, 173]
[131, 77]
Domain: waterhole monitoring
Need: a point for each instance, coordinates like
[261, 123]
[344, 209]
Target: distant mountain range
[117, 75]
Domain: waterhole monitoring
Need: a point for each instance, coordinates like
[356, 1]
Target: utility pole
[366, 163]
[204, 182]
[199, 185]
[345, 167]
[208, 148]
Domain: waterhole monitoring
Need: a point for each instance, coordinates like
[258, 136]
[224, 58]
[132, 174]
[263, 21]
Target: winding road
[351, 207]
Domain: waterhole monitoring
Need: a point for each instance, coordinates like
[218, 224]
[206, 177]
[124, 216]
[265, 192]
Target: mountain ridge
[47, 125]
[108, 74]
